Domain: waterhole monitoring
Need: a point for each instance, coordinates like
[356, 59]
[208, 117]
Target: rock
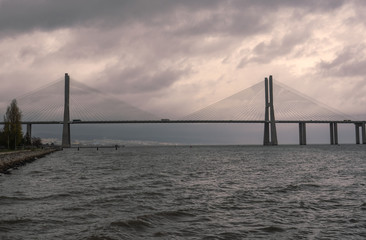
[19, 158]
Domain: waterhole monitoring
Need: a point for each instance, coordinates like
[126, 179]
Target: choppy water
[217, 192]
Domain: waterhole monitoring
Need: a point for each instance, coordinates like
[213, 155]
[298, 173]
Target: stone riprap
[15, 159]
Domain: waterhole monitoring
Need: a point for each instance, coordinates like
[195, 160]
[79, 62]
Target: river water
[199, 192]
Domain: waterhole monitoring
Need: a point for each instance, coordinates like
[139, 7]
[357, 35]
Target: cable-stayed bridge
[71, 102]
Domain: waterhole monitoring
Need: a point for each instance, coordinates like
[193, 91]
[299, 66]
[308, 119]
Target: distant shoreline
[9, 160]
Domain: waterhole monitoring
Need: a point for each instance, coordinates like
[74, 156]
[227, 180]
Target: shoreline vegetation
[15, 159]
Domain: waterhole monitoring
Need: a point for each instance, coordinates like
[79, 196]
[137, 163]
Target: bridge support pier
[363, 130]
[333, 127]
[28, 135]
[302, 133]
[270, 132]
[357, 133]
[66, 143]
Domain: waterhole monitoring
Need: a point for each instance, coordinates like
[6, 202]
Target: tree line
[11, 136]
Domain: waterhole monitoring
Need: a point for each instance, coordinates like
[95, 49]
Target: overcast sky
[176, 56]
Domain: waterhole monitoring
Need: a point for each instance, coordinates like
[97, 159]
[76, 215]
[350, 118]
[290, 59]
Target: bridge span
[232, 103]
[333, 125]
[186, 121]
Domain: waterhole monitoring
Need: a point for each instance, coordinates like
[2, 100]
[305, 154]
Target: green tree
[13, 129]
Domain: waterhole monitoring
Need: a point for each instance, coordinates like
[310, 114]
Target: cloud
[350, 62]
[266, 52]
[345, 73]
[18, 16]
[174, 57]
[142, 79]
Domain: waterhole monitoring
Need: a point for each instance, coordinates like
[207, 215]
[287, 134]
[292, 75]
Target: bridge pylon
[270, 132]
[66, 143]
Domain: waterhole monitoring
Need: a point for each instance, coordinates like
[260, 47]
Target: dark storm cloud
[23, 15]
[17, 16]
[309, 5]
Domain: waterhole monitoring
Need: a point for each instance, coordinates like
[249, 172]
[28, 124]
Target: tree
[27, 140]
[37, 142]
[3, 142]
[13, 129]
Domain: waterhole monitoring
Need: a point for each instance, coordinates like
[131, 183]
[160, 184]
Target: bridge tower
[270, 132]
[66, 143]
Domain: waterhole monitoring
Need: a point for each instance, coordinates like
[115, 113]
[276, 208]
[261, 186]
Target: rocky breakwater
[15, 159]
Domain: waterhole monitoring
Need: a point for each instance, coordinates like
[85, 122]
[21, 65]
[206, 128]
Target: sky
[172, 57]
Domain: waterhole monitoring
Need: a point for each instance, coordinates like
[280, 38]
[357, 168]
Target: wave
[297, 187]
[272, 229]
[143, 222]
[99, 237]
[136, 224]
[15, 221]
[36, 198]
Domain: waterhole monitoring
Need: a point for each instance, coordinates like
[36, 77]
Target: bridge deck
[187, 121]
